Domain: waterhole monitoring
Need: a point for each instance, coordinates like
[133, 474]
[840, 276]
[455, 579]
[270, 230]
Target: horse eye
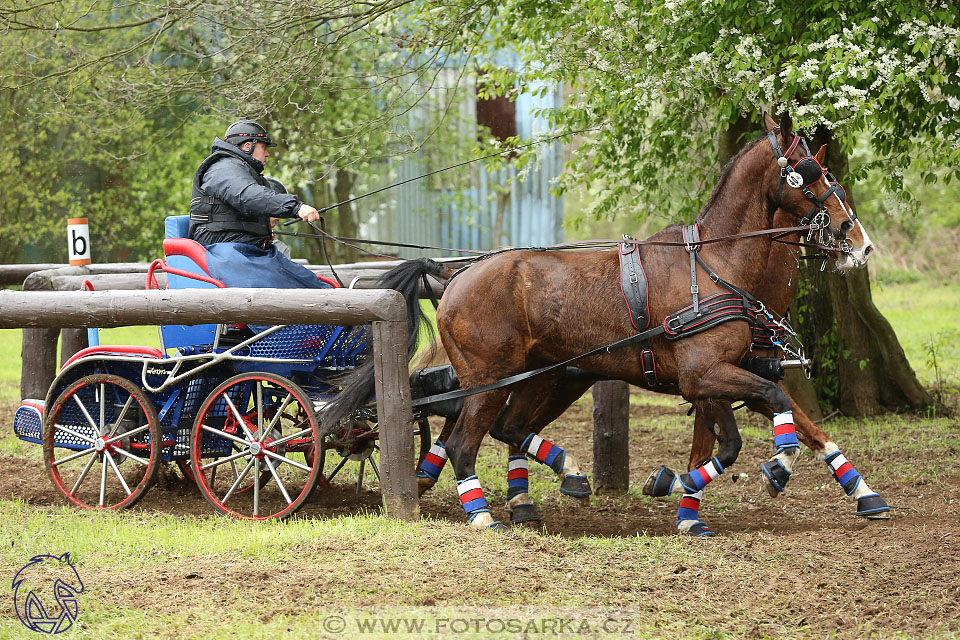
[846, 226]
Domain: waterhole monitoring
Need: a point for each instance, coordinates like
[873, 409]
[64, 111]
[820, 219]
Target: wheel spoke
[74, 433]
[128, 434]
[74, 456]
[276, 477]
[116, 470]
[236, 414]
[86, 413]
[376, 470]
[103, 480]
[256, 487]
[123, 414]
[286, 460]
[103, 407]
[276, 417]
[83, 474]
[292, 436]
[226, 435]
[127, 454]
[219, 461]
[259, 401]
[236, 482]
[337, 468]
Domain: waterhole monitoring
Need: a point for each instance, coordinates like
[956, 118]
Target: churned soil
[802, 561]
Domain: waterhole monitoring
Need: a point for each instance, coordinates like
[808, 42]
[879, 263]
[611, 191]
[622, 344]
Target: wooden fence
[611, 398]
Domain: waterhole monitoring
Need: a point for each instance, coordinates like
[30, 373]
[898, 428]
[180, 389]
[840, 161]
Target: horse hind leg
[462, 447]
[869, 503]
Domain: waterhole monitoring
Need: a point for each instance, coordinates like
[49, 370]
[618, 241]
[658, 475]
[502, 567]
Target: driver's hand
[308, 213]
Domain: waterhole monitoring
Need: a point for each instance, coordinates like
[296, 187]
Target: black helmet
[244, 130]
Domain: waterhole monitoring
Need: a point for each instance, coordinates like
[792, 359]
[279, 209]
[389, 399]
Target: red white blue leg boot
[869, 504]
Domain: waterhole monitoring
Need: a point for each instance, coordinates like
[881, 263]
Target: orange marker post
[78, 241]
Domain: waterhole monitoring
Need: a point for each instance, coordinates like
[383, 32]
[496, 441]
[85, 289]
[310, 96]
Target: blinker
[810, 171]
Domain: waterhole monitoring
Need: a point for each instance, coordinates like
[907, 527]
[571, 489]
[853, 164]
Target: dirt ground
[843, 572]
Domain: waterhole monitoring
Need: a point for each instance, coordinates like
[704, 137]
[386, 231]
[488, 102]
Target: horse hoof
[873, 507]
[424, 484]
[699, 530]
[775, 477]
[660, 483]
[497, 526]
[526, 515]
[575, 486]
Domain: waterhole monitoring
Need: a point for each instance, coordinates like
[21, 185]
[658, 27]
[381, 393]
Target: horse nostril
[846, 226]
[868, 250]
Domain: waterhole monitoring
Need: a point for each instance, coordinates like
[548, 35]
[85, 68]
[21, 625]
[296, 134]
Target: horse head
[800, 185]
[43, 579]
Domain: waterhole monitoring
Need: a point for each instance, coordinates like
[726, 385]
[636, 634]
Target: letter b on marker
[78, 241]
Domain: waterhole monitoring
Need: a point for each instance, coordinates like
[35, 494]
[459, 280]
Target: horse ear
[769, 122]
[786, 127]
[821, 155]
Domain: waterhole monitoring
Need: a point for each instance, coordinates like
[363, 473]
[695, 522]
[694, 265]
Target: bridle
[806, 172]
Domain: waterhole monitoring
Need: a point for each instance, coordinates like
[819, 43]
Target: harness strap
[619, 344]
[691, 242]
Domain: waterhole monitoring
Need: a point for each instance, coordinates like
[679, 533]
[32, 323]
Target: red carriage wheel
[102, 443]
[256, 426]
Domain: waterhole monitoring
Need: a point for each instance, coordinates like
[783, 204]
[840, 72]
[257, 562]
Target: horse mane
[725, 175]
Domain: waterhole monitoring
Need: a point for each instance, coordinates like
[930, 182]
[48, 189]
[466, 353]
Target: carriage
[235, 407]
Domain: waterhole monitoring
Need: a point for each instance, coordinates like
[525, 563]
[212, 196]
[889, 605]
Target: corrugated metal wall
[459, 208]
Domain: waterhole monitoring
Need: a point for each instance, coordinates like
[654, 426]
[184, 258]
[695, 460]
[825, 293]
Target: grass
[153, 574]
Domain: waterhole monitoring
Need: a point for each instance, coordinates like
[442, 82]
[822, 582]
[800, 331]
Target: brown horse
[524, 309]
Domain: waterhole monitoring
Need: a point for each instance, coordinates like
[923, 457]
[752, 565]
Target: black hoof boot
[497, 526]
[526, 516]
[699, 530]
[575, 486]
[873, 507]
[775, 477]
[660, 483]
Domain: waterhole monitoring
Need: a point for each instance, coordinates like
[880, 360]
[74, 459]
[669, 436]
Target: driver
[230, 211]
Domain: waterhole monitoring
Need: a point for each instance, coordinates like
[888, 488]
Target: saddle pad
[633, 285]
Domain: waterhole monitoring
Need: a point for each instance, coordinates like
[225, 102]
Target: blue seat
[189, 256]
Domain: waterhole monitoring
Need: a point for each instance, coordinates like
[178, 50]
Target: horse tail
[358, 386]
[432, 355]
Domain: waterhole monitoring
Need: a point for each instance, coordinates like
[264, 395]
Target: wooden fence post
[398, 483]
[611, 436]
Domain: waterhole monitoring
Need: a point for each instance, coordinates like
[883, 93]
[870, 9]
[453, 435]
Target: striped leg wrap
[517, 476]
[544, 451]
[696, 480]
[688, 516]
[471, 497]
[433, 463]
[843, 472]
[784, 432]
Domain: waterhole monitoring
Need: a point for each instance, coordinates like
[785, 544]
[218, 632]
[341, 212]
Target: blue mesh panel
[26, 423]
[297, 342]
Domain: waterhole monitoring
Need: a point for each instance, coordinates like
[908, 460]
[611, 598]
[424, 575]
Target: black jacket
[232, 201]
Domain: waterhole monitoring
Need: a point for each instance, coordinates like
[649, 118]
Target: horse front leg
[869, 503]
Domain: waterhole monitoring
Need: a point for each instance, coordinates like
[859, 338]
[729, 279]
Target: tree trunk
[346, 216]
[861, 364]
